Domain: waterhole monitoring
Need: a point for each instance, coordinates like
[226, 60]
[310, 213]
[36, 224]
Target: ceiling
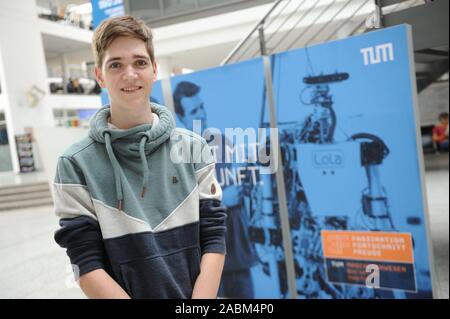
[54, 46]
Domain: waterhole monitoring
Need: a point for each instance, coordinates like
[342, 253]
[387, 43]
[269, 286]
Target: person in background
[96, 89]
[74, 86]
[440, 132]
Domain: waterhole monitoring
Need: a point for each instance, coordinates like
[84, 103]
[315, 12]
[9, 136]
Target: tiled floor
[33, 266]
[9, 178]
[437, 181]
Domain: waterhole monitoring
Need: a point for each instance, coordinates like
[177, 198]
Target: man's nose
[130, 73]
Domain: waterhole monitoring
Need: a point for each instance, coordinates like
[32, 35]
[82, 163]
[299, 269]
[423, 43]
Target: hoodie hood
[127, 141]
[137, 142]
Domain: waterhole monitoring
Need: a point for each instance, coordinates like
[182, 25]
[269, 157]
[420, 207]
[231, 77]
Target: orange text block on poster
[376, 246]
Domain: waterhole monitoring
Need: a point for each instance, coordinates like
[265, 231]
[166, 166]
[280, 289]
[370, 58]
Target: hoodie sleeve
[212, 212]
[79, 230]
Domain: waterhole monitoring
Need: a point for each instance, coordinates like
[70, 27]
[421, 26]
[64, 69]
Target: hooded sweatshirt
[142, 203]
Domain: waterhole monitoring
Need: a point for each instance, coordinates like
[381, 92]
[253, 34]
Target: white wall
[74, 102]
[22, 66]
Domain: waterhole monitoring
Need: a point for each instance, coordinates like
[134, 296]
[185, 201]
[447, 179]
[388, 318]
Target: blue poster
[347, 131]
[104, 9]
[157, 93]
[227, 105]
[347, 137]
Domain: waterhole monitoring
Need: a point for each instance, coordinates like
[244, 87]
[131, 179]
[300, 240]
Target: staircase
[26, 195]
[292, 24]
[430, 25]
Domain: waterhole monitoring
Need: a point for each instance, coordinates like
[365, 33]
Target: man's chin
[133, 102]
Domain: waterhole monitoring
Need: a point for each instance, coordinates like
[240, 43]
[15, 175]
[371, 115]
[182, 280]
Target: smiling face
[127, 72]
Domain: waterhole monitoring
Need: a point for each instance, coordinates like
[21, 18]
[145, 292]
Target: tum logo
[378, 54]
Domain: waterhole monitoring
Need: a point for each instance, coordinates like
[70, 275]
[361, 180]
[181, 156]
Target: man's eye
[141, 62]
[114, 65]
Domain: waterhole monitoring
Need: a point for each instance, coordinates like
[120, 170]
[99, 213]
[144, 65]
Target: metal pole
[281, 191]
[262, 40]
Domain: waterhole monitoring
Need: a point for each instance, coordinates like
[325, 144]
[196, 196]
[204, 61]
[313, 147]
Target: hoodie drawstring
[144, 162]
[116, 170]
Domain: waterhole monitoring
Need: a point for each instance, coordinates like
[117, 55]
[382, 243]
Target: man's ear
[155, 71]
[99, 77]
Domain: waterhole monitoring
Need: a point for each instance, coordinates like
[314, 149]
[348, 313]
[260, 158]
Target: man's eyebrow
[113, 59]
[135, 56]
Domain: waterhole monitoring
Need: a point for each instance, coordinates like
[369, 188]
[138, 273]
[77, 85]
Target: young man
[440, 132]
[136, 223]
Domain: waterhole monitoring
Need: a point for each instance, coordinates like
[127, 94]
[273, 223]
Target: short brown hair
[121, 26]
